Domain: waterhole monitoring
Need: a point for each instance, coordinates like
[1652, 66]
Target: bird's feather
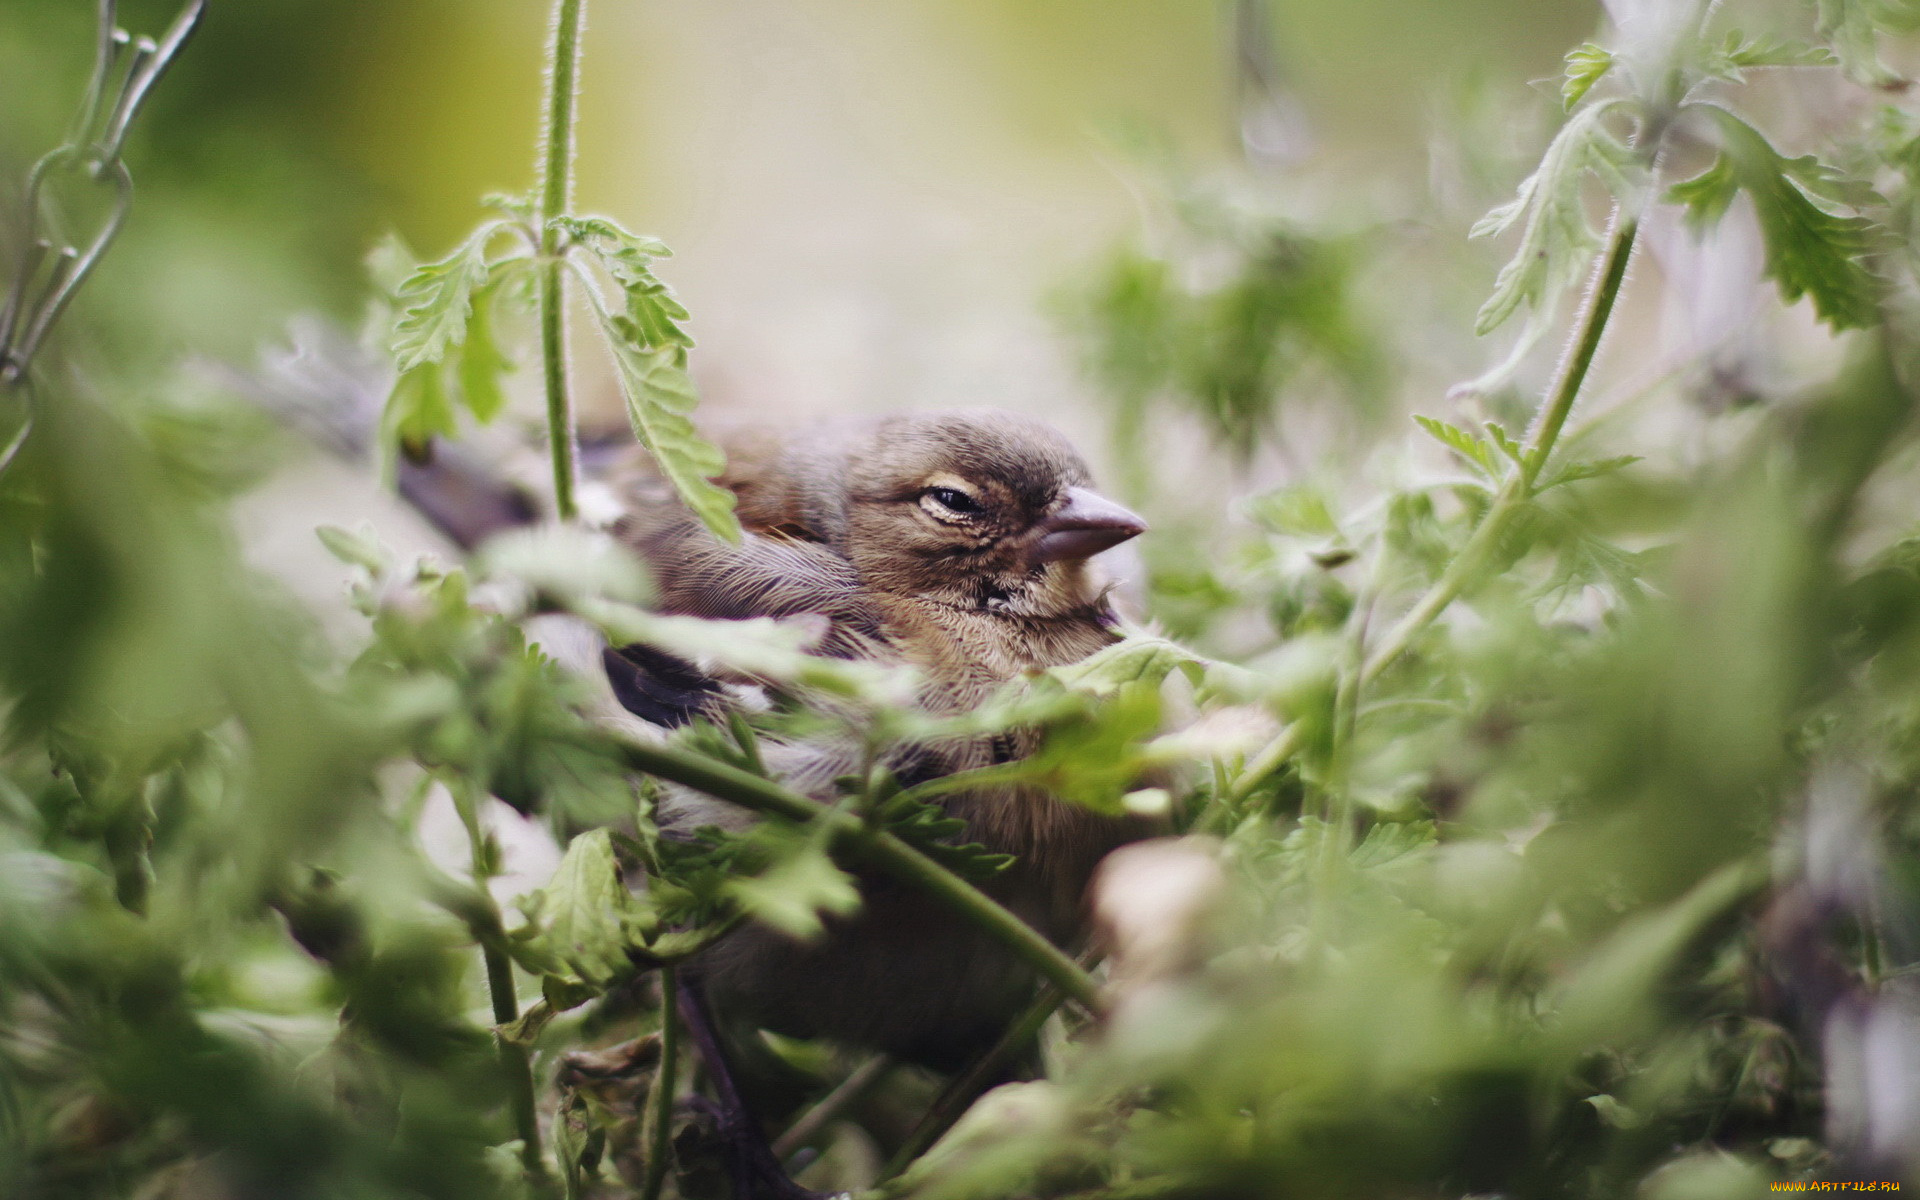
[840, 525]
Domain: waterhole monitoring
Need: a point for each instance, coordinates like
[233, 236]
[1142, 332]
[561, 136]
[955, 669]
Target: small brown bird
[953, 542]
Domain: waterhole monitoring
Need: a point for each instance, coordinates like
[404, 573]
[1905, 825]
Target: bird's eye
[955, 500]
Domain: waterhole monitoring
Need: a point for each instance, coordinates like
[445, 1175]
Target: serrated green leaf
[1390, 841]
[1472, 449]
[659, 396]
[1584, 560]
[1587, 63]
[1737, 53]
[627, 258]
[1556, 241]
[609, 236]
[935, 833]
[1708, 195]
[1505, 444]
[791, 894]
[1811, 251]
[1576, 471]
[436, 302]
[585, 918]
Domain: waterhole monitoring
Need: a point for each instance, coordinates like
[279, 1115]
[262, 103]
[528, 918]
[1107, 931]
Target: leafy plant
[443, 333]
[1548, 793]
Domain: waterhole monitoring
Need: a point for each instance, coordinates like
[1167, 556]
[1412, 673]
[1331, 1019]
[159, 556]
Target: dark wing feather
[660, 688]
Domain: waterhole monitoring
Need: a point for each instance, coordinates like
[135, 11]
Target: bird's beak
[1084, 525]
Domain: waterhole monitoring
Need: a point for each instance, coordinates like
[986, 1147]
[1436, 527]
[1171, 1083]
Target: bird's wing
[699, 575]
[660, 688]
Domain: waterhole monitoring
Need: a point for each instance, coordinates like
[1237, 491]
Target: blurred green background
[1707, 658]
[868, 200]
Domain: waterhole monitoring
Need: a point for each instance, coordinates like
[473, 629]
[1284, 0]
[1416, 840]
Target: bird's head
[978, 509]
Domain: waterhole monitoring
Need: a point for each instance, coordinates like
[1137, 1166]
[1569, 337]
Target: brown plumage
[956, 543]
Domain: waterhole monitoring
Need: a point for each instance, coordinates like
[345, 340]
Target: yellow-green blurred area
[868, 200]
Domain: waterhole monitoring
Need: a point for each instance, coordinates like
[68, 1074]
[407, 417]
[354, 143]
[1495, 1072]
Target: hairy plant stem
[556, 196]
[1469, 565]
[659, 1129]
[873, 847]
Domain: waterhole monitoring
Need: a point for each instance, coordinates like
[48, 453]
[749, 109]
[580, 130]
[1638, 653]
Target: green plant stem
[876, 848]
[659, 1133]
[514, 1061]
[1467, 567]
[1579, 360]
[861, 1080]
[483, 917]
[556, 195]
[963, 1089]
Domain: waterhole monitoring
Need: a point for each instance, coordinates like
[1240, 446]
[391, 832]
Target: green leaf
[1708, 195]
[1587, 561]
[1137, 659]
[444, 328]
[1467, 446]
[605, 235]
[436, 302]
[1853, 27]
[585, 918]
[659, 396]
[1735, 55]
[1575, 471]
[930, 829]
[1094, 757]
[481, 361]
[355, 547]
[628, 259]
[418, 410]
[1811, 251]
[1297, 511]
[791, 894]
[520, 208]
[1556, 241]
[1615, 1114]
[1390, 841]
[1507, 446]
[1586, 64]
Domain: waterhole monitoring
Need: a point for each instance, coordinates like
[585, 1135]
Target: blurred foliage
[1560, 784]
[1276, 307]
